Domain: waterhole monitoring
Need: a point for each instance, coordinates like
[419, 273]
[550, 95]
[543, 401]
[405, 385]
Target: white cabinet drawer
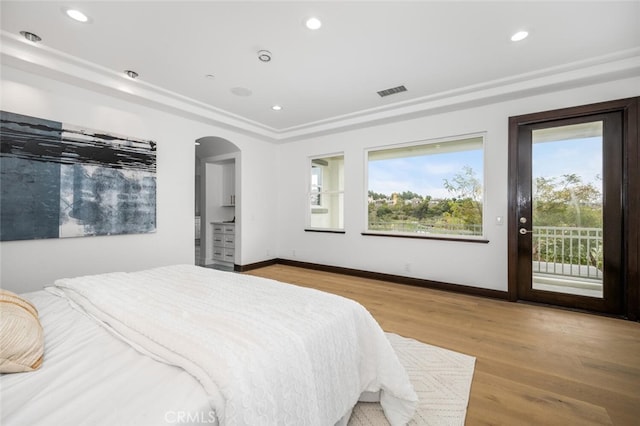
[218, 240]
[217, 227]
[229, 255]
[228, 240]
[229, 229]
[218, 253]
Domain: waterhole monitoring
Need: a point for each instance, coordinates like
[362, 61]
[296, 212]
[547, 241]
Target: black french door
[571, 227]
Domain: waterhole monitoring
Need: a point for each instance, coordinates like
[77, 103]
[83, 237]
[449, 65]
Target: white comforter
[91, 378]
[266, 353]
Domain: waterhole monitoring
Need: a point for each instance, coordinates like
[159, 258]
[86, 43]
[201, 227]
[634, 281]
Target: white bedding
[88, 377]
[264, 352]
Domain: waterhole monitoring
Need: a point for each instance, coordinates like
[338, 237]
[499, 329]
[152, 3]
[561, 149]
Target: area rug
[440, 377]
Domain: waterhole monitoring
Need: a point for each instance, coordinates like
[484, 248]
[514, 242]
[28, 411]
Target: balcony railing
[425, 229]
[571, 252]
[562, 251]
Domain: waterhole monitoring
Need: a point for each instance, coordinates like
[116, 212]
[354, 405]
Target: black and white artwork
[59, 180]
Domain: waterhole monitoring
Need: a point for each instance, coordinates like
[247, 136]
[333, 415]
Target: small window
[326, 193]
[433, 188]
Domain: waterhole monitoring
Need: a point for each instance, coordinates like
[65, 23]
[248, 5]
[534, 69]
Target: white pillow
[21, 334]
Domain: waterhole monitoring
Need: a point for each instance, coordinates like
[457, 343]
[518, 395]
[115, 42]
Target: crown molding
[619, 65]
[43, 60]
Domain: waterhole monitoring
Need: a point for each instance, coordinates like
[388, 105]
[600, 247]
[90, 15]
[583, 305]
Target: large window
[326, 193]
[432, 188]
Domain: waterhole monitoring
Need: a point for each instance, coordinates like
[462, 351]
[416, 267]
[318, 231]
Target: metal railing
[425, 229]
[572, 252]
[565, 251]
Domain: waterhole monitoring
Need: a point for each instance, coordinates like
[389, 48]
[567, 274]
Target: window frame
[442, 237]
[322, 193]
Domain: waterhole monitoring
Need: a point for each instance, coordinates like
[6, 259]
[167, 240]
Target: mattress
[89, 377]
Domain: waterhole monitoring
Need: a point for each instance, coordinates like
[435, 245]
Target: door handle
[523, 231]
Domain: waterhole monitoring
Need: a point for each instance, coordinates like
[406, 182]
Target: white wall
[29, 265]
[472, 264]
[273, 205]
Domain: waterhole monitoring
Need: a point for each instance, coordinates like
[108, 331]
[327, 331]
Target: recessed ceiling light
[76, 15]
[313, 23]
[131, 74]
[520, 35]
[197, 143]
[276, 108]
[30, 36]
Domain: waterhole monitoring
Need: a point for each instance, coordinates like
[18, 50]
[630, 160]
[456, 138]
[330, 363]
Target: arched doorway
[217, 203]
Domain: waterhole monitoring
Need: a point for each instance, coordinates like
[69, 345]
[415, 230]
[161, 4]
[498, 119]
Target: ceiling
[328, 77]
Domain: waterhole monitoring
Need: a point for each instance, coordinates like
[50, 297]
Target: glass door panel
[567, 209]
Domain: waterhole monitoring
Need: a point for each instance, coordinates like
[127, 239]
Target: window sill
[327, 231]
[426, 237]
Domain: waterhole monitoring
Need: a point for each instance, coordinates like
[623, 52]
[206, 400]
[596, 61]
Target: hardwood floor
[534, 365]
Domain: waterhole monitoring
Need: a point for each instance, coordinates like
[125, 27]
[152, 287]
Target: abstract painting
[59, 180]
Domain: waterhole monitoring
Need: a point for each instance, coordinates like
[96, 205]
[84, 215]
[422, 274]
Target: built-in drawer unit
[224, 242]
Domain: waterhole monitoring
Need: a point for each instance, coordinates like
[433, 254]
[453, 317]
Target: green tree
[421, 211]
[384, 211]
[377, 196]
[466, 205]
[567, 201]
[408, 195]
[464, 185]
[441, 207]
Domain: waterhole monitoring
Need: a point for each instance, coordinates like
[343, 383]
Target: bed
[189, 345]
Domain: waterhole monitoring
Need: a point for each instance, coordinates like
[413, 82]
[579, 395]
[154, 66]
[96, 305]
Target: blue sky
[424, 175]
[580, 156]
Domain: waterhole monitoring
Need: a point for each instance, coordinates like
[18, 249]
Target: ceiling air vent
[392, 91]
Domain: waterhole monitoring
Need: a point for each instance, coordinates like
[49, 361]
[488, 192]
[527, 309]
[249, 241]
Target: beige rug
[440, 377]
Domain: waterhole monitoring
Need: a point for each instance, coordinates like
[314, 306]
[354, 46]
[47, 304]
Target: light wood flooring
[535, 365]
